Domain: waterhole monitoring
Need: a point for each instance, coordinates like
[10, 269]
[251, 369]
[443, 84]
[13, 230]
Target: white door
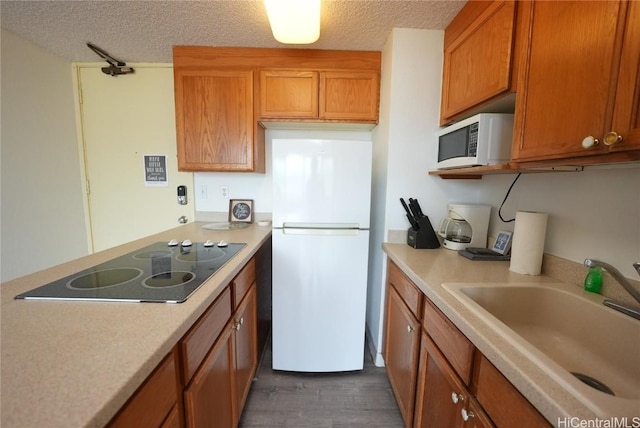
[125, 118]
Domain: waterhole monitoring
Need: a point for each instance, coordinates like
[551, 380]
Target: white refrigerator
[321, 206]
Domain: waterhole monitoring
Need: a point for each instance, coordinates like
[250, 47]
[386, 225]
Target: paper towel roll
[528, 242]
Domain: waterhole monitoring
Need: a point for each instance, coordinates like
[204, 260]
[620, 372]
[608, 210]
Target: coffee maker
[465, 226]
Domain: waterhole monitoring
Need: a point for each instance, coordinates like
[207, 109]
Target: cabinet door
[288, 94]
[214, 120]
[154, 401]
[208, 400]
[442, 399]
[626, 114]
[501, 400]
[173, 420]
[246, 353]
[349, 95]
[402, 345]
[477, 64]
[565, 90]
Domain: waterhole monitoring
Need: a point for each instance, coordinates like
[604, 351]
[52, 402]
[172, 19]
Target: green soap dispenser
[593, 280]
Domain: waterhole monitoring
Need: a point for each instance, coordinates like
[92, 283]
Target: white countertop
[429, 269]
[74, 364]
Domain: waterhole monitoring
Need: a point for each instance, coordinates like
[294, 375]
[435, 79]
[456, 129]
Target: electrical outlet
[224, 192]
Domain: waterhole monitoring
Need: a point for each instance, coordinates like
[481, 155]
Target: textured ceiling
[145, 31]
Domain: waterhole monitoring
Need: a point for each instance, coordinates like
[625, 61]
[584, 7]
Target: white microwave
[483, 139]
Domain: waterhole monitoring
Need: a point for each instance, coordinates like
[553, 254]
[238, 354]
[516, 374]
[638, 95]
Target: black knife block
[423, 238]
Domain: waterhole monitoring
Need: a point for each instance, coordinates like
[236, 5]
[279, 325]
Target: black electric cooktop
[157, 273]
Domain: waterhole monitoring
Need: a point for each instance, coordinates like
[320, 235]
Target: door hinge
[88, 187]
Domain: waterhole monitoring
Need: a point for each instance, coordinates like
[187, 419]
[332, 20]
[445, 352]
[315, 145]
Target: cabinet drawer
[501, 400]
[410, 294]
[198, 341]
[243, 281]
[452, 343]
[154, 400]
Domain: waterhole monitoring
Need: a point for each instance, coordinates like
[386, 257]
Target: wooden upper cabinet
[349, 95]
[288, 93]
[626, 113]
[478, 56]
[215, 120]
[581, 79]
[221, 94]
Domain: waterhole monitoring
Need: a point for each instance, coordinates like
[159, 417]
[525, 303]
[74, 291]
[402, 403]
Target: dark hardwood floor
[328, 400]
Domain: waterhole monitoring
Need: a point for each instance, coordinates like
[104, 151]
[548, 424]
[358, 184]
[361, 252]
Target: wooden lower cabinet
[216, 394]
[245, 346]
[401, 351]
[437, 375]
[208, 400]
[506, 406]
[219, 389]
[155, 401]
[174, 420]
[442, 399]
[205, 380]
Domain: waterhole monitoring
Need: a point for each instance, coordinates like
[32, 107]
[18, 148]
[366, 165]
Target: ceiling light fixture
[294, 21]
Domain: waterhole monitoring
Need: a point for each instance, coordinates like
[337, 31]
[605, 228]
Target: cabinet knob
[612, 138]
[410, 329]
[589, 142]
[456, 398]
[467, 414]
[236, 326]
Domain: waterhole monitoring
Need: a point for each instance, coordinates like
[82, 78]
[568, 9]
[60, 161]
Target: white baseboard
[376, 354]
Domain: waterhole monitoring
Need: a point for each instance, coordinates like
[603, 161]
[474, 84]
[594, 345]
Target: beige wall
[42, 211]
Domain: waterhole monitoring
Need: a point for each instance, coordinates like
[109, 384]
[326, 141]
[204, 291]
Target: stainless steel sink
[569, 334]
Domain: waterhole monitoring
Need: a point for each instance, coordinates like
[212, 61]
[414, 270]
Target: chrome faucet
[633, 311]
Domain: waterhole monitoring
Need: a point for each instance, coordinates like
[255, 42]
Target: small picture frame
[241, 210]
[503, 242]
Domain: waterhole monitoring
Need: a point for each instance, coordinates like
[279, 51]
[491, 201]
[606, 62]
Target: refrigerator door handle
[320, 231]
[329, 226]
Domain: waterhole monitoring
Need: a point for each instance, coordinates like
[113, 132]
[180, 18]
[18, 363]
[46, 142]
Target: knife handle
[404, 204]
